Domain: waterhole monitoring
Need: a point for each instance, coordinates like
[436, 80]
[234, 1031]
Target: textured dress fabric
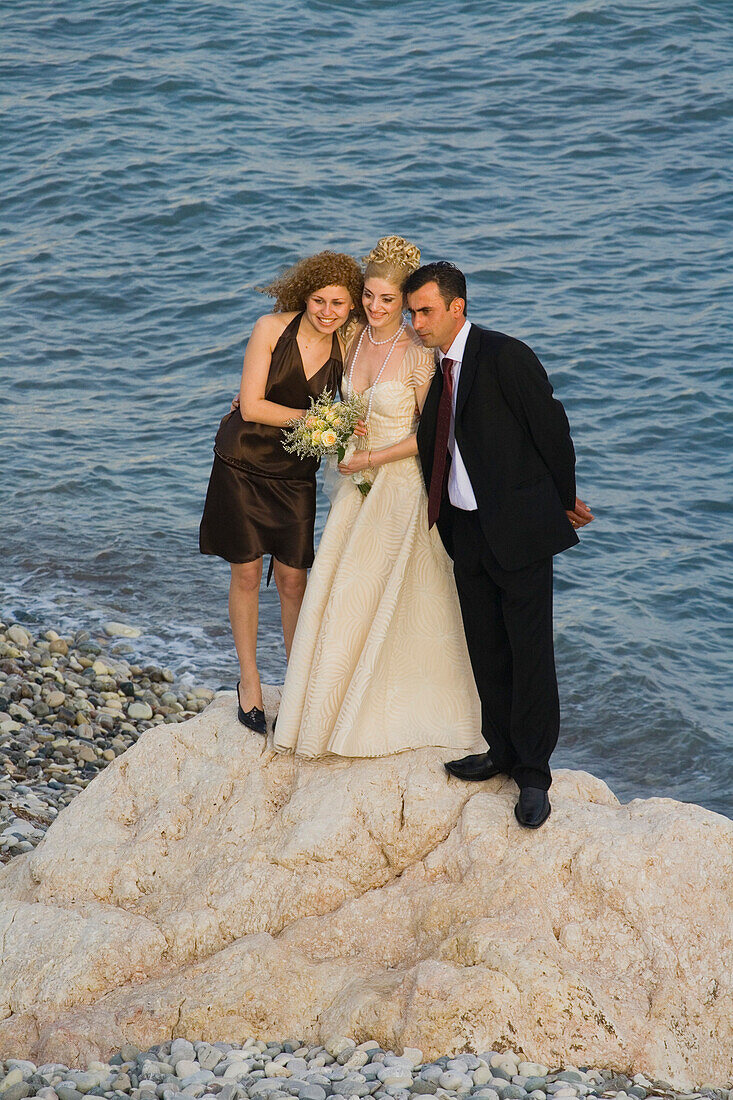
[261, 499]
[379, 661]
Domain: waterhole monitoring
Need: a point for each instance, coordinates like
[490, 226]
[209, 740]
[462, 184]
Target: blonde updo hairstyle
[292, 289]
[392, 258]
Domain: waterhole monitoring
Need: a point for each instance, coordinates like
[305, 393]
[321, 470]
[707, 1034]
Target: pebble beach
[342, 1069]
[69, 705]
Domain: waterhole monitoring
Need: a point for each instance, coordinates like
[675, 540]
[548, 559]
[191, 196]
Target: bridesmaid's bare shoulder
[270, 326]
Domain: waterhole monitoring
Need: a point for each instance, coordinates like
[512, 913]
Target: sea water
[162, 161]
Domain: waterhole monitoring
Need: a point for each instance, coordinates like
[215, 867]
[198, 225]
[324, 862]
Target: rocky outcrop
[203, 886]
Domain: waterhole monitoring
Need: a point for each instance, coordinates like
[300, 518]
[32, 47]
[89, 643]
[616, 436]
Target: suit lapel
[468, 369]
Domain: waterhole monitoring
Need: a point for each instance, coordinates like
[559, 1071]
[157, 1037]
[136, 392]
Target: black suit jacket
[514, 439]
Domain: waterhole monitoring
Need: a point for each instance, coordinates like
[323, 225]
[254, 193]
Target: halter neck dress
[261, 499]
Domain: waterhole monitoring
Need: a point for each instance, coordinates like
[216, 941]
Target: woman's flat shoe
[253, 719]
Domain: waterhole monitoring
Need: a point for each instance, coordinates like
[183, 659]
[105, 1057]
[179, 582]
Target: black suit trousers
[507, 617]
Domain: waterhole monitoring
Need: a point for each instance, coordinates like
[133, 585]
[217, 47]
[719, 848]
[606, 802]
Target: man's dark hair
[450, 280]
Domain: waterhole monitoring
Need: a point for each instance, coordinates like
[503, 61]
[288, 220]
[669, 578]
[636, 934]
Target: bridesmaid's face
[382, 301]
[328, 308]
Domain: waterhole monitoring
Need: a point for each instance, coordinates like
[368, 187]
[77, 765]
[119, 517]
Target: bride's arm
[256, 367]
[370, 459]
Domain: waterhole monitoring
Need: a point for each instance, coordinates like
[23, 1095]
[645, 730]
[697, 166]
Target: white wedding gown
[379, 661]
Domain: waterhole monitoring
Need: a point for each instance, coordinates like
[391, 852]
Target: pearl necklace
[393, 340]
[377, 343]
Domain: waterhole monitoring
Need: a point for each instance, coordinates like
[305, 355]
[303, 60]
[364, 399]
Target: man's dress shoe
[474, 768]
[533, 807]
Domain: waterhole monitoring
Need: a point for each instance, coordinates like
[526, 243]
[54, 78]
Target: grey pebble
[230, 1091]
[17, 1092]
[265, 1085]
[455, 1081]
[28, 1069]
[67, 1091]
[200, 1077]
[431, 1073]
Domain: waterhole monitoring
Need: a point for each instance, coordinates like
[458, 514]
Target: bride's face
[383, 303]
[328, 308]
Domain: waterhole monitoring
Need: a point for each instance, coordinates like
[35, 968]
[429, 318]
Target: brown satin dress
[262, 500]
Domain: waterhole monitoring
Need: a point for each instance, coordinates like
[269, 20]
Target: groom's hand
[580, 514]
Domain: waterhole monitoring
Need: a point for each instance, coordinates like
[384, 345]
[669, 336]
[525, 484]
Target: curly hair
[392, 258]
[294, 286]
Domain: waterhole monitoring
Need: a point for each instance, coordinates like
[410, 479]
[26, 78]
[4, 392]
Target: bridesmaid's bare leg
[244, 605]
[291, 589]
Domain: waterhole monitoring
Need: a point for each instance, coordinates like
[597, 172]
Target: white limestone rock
[206, 887]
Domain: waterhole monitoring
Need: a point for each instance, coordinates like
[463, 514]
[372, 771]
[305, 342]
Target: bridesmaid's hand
[235, 403]
[358, 461]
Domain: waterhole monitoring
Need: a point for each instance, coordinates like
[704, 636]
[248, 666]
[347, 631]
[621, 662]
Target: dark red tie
[442, 432]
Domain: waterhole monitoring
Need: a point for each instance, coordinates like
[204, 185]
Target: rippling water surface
[162, 161]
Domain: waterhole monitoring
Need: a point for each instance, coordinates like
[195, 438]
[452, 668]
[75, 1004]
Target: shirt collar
[458, 347]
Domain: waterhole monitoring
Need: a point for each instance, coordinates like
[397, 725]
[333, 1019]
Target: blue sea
[161, 161]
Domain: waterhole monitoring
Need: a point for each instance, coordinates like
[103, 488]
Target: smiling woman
[261, 499]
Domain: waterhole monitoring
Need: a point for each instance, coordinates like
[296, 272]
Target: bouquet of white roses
[327, 429]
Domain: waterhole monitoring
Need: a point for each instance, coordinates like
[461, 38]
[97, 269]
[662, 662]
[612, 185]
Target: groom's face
[436, 323]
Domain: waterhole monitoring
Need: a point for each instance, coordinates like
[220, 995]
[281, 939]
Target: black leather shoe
[253, 719]
[533, 807]
[473, 768]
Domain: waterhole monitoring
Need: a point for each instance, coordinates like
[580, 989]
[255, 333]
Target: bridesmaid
[262, 500]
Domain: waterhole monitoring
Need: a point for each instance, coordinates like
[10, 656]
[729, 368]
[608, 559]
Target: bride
[379, 661]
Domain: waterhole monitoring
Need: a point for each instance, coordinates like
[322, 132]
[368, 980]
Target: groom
[499, 467]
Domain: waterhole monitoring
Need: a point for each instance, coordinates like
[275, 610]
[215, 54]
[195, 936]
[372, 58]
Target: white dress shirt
[460, 491]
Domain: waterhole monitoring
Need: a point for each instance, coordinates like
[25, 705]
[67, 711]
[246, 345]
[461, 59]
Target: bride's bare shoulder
[412, 337]
[419, 361]
[415, 347]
